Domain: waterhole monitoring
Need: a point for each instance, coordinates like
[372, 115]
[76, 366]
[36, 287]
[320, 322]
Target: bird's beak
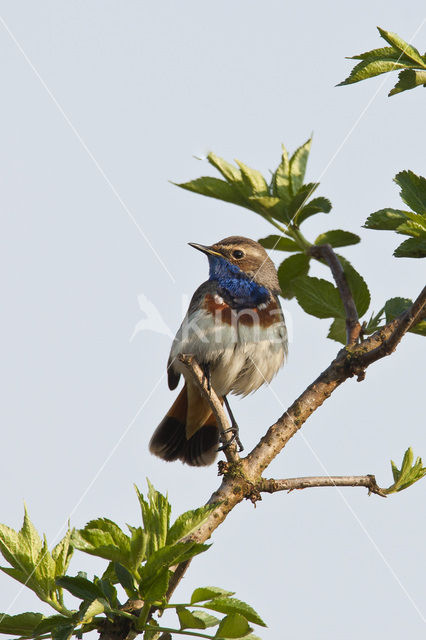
[207, 250]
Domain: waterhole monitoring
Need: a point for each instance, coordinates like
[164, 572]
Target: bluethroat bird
[235, 329]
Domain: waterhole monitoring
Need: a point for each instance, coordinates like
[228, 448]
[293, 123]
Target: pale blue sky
[144, 87]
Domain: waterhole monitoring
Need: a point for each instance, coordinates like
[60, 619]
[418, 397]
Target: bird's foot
[234, 430]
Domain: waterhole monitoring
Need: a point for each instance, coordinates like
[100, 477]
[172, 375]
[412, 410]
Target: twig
[325, 253]
[195, 372]
[290, 484]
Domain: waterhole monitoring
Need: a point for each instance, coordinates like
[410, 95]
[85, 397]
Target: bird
[235, 330]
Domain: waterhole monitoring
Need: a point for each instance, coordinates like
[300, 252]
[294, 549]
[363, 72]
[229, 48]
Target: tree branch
[325, 253]
[242, 478]
[197, 375]
[290, 484]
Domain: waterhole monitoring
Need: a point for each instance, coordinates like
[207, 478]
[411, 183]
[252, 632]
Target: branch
[242, 478]
[325, 253]
[198, 377]
[290, 484]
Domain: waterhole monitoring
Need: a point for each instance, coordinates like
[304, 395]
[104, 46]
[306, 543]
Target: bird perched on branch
[235, 329]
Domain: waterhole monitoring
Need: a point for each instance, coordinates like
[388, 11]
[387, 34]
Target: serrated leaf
[62, 554]
[79, 587]
[138, 546]
[253, 180]
[232, 605]
[233, 625]
[100, 543]
[337, 238]
[30, 540]
[63, 632]
[88, 610]
[229, 172]
[413, 229]
[357, 285]
[318, 297]
[208, 593]
[108, 590]
[314, 206]
[396, 306]
[281, 179]
[206, 618]
[154, 587]
[388, 53]
[406, 49]
[279, 243]
[337, 330]
[266, 206]
[298, 164]
[371, 68]
[386, 219]
[409, 79]
[49, 623]
[290, 269]
[413, 190]
[22, 624]
[188, 522]
[411, 248]
[214, 188]
[126, 579]
[188, 620]
[299, 201]
[155, 516]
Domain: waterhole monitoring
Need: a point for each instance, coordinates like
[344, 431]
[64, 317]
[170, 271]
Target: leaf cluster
[406, 222]
[409, 473]
[139, 561]
[398, 56]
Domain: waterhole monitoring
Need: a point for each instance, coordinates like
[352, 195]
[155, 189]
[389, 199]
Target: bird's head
[241, 257]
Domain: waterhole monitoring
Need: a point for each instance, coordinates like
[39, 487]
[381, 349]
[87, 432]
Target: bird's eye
[238, 254]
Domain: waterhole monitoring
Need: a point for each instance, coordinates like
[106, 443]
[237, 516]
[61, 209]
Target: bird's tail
[188, 432]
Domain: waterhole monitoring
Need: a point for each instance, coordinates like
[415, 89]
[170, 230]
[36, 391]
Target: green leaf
[406, 49]
[214, 188]
[154, 587]
[62, 554]
[208, 593]
[408, 474]
[138, 545]
[386, 219]
[409, 79]
[229, 172]
[188, 620]
[337, 238]
[105, 539]
[188, 522]
[281, 179]
[396, 306]
[370, 68]
[253, 179]
[318, 297]
[314, 206]
[266, 206]
[413, 190]
[232, 605]
[79, 587]
[63, 632]
[88, 610]
[411, 228]
[298, 164]
[155, 516]
[233, 625]
[337, 330]
[108, 590]
[357, 285]
[48, 624]
[290, 269]
[22, 624]
[411, 248]
[207, 619]
[126, 579]
[299, 202]
[279, 243]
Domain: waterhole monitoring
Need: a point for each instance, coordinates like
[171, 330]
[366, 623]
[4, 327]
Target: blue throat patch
[244, 291]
